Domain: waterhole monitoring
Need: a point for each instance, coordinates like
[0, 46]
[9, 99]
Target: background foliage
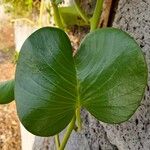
[22, 7]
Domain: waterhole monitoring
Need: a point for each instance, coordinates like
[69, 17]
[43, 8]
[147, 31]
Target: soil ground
[9, 123]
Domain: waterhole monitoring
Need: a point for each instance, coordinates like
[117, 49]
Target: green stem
[97, 14]
[57, 141]
[57, 17]
[80, 11]
[68, 133]
[78, 118]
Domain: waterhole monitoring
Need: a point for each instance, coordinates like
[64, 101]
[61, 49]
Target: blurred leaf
[6, 92]
[71, 16]
[59, 1]
[56, 1]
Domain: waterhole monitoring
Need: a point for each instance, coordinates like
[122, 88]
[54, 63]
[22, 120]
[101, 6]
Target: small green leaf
[107, 76]
[6, 92]
[112, 75]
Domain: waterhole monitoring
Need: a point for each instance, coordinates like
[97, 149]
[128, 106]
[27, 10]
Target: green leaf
[107, 76]
[6, 92]
[112, 75]
[45, 88]
[58, 1]
[71, 16]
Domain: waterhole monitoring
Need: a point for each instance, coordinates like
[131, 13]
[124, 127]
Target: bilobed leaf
[6, 92]
[107, 76]
[112, 75]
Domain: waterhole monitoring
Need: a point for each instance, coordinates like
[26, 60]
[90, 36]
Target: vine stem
[57, 141]
[57, 17]
[96, 15]
[68, 133]
[80, 11]
[41, 13]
